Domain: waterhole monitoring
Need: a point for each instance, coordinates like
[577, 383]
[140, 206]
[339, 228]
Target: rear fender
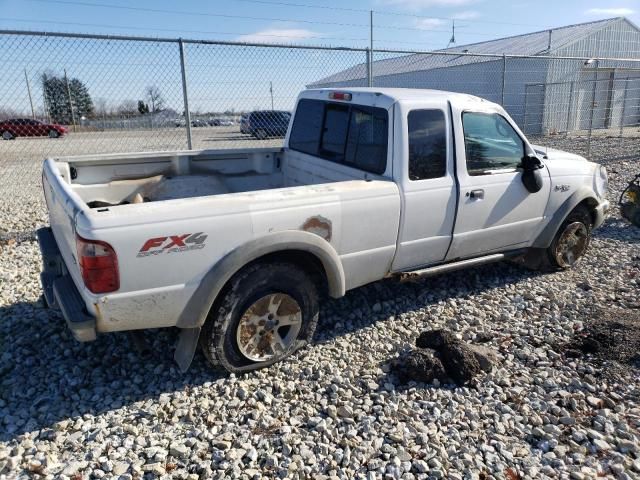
[195, 313]
[197, 309]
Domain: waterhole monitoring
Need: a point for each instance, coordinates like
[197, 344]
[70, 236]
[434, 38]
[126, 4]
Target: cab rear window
[353, 135]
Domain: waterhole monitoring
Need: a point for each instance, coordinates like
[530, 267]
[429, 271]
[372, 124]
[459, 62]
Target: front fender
[584, 193]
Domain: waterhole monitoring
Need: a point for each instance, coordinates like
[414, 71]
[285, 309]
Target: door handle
[477, 194]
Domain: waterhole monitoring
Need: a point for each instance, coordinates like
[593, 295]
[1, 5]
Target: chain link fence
[73, 94]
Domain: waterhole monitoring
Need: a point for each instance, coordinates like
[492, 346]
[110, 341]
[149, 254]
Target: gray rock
[179, 450]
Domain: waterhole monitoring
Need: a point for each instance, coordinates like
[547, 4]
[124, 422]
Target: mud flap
[186, 348]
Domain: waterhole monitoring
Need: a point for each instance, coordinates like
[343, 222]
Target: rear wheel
[261, 134]
[267, 313]
[53, 133]
[6, 135]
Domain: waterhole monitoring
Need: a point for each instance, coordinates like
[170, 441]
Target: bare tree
[7, 112]
[101, 107]
[156, 102]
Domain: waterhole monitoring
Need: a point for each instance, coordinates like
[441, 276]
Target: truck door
[424, 169]
[495, 210]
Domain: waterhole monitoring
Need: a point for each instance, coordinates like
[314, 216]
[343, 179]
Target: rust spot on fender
[318, 225]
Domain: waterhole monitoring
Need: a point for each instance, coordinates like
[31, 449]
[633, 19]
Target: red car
[26, 127]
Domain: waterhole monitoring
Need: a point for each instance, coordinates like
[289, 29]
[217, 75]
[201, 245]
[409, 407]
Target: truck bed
[110, 180]
[231, 197]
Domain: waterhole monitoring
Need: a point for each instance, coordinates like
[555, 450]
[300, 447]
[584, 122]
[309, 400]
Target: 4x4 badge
[172, 244]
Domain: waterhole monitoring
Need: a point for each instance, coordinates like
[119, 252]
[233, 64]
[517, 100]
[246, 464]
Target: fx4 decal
[172, 244]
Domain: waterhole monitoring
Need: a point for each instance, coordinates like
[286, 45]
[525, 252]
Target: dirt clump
[441, 356]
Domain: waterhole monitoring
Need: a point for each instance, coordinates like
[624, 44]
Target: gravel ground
[334, 410]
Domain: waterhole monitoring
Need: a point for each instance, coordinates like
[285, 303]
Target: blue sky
[425, 25]
[225, 78]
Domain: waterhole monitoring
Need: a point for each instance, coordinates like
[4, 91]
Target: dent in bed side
[318, 225]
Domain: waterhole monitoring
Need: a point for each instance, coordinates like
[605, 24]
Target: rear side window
[354, 135]
[307, 126]
[367, 141]
[427, 144]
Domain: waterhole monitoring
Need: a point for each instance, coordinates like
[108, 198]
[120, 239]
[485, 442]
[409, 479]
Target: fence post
[526, 103]
[370, 50]
[593, 108]
[624, 106]
[573, 84]
[504, 75]
[185, 95]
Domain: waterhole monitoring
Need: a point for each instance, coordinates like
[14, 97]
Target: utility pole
[73, 117]
[271, 92]
[45, 104]
[26, 77]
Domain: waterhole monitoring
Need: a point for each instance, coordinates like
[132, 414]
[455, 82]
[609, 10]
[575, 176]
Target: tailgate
[63, 205]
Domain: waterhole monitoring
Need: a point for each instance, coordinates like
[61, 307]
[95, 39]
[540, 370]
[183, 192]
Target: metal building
[542, 94]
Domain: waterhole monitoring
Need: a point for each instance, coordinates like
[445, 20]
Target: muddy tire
[569, 244]
[267, 312]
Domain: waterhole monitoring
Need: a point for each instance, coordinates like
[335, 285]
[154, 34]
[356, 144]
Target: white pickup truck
[235, 247]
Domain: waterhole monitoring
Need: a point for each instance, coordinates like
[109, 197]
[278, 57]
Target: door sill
[409, 275]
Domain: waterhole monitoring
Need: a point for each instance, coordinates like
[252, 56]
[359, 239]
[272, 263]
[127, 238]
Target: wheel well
[590, 204]
[306, 261]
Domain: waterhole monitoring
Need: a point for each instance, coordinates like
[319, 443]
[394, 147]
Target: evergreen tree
[58, 103]
[143, 107]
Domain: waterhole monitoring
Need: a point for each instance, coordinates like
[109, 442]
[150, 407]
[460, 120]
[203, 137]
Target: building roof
[536, 43]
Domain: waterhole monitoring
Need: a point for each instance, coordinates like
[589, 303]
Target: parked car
[236, 247]
[27, 127]
[198, 122]
[180, 122]
[267, 123]
[244, 123]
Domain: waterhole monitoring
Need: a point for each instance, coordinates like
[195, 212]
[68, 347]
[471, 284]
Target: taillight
[98, 265]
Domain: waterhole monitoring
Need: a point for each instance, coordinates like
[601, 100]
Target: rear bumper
[59, 290]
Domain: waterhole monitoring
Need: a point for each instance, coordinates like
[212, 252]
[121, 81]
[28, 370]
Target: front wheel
[6, 135]
[261, 134]
[53, 134]
[572, 240]
[267, 313]
[569, 244]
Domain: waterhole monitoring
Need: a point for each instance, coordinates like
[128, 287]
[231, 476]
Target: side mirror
[531, 162]
[531, 176]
